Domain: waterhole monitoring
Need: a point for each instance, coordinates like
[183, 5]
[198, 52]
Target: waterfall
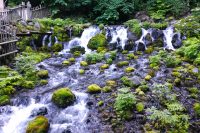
[87, 34]
[44, 40]
[56, 40]
[50, 42]
[119, 35]
[168, 35]
[142, 39]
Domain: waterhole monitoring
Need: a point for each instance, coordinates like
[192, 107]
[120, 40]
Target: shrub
[94, 58]
[134, 26]
[63, 97]
[170, 121]
[127, 82]
[39, 125]
[124, 104]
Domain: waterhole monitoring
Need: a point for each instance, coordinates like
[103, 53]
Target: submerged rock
[40, 111]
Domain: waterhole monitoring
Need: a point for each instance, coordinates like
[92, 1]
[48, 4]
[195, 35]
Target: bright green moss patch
[39, 125]
[122, 63]
[63, 97]
[43, 74]
[94, 88]
[4, 100]
[97, 41]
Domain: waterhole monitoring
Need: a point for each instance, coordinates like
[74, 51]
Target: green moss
[105, 66]
[176, 74]
[66, 63]
[81, 71]
[43, 82]
[193, 90]
[196, 108]
[72, 60]
[28, 84]
[149, 50]
[139, 107]
[8, 90]
[43, 74]
[83, 63]
[100, 103]
[57, 47]
[122, 63]
[94, 88]
[102, 50]
[4, 100]
[144, 88]
[39, 125]
[97, 41]
[125, 52]
[109, 61]
[107, 89]
[129, 69]
[63, 97]
[131, 56]
[111, 83]
[127, 82]
[148, 77]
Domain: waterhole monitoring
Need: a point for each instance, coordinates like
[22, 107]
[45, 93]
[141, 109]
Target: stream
[29, 104]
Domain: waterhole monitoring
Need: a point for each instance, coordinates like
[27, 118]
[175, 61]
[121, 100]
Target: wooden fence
[8, 19]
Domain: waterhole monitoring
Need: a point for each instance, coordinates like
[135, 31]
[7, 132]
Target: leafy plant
[94, 58]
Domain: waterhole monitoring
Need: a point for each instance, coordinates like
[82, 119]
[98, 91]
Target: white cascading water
[121, 33]
[87, 34]
[19, 118]
[142, 38]
[50, 42]
[56, 40]
[44, 40]
[168, 35]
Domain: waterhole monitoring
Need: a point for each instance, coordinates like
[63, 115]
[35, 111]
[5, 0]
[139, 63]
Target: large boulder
[63, 97]
[97, 41]
[39, 125]
[176, 40]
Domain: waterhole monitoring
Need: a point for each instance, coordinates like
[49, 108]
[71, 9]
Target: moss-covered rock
[97, 41]
[111, 83]
[43, 74]
[8, 90]
[81, 71]
[140, 107]
[129, 69]
[4, 100]
[104, 66]
[148, 77]
[72, 60]
[94, 88]
[66, 63]
[122, 63]
[39, 125]
[127, 82]
[84, 63]
[63, 97]
[107, 89]
[43, 82]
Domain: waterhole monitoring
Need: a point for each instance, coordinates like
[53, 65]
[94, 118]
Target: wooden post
[2, 5]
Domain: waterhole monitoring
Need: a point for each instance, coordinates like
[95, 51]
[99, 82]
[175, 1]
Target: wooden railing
[9, 18]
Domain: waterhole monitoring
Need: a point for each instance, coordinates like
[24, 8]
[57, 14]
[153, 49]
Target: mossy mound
[97, 41]
[63, 97]
[66, 63]
[104, 66]
[39, 125]
[43, 74]
[122, 63]
[94, 88]
[84, 63]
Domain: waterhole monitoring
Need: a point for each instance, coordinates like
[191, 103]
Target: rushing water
[27, 105]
